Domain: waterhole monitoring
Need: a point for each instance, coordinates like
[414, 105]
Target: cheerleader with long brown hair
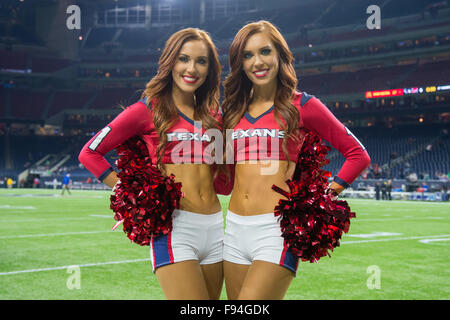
[176, 118]
[266, 119]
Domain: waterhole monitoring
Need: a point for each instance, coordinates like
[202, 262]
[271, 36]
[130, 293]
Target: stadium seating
[379, 78]
[434, 160]
[28, 104]
[64, 100]
[384, 146]
[2, 104]
[19, 33]
[114, 98]
[13, 60]
[114, 50]
[99, 35]
[435, 73]
[48, 64]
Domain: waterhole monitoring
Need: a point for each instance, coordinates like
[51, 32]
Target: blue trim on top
[185, 117]
[144, 101]
[341, 182]
[181, 114]
[305, 98]
[105, 174]
[253, 120]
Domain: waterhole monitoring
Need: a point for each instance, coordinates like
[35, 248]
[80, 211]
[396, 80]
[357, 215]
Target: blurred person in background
[377, 190]
[66, 183]
[36, 182]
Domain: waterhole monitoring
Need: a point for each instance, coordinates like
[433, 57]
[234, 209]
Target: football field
[62, 247]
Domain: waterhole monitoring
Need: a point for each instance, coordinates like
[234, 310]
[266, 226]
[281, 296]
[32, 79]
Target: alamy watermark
[374, 280]
[374, 20]
[74, 280]
[74, 20]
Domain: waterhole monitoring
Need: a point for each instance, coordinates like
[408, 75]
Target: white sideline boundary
[55, 219]
[10, 207]
[384, 202]
[52, 234]
[393, 239]
[399, 219]
[74, 265]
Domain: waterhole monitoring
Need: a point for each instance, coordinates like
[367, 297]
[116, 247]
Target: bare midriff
[252, 190]
[197, 186]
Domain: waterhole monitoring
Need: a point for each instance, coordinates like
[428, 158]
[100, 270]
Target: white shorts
[258, 237]
[194, 236]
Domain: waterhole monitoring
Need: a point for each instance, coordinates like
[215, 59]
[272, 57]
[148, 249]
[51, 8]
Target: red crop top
[187, 141]
[261, 138]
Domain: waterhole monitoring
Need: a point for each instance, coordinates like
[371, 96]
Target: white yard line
[79, 265]
[52, 234]
[7, 206]
[385, 202]
[394, 239]
[434, 240]
[111, 216]
[401, 219]
[28, 220]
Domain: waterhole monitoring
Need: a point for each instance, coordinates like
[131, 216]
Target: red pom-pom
[144, 199]
[312, 219]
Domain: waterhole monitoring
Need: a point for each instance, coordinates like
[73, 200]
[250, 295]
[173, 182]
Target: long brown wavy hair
[158, 90]
[238, 87]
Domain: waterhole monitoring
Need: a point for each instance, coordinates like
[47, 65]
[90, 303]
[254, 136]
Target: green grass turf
[41, 229]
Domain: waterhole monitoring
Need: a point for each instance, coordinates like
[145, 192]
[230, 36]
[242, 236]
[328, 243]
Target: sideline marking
[402, 219]
[7, 206]
[392, 239]
[374, 234]
[42, 220]
[51, 234]
[426, 241]
[27, 220]
[383, 203]
[79, 265]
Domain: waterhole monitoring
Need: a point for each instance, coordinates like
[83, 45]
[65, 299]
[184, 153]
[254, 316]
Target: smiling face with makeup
[191, 67]
[260, 60]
